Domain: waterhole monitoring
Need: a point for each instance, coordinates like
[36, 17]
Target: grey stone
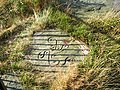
[53, 49]
[11, 82]
[116, 5]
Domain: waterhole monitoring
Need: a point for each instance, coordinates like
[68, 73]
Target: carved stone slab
[53, 48]
[11, 82]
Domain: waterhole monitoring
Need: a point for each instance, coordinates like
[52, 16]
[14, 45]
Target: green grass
[98, 71]
[13, 45]
[103, 40]
[12, 10]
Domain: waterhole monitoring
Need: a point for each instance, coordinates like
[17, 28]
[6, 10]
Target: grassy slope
[99, 70]
[15, 37]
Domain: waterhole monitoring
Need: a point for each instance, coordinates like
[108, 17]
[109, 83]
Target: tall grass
[13, 51]
[101, 68]
[99, 71]
[19, 9]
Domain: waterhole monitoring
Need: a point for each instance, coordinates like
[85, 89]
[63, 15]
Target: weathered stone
[84, 8]
[116, 5]
[53, 48]
[2, 86]
[11, 82]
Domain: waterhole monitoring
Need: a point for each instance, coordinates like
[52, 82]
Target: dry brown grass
[2, 2]
[19, 45]
[103, 16]
[100, 70]
[64, 77]
[40, 21]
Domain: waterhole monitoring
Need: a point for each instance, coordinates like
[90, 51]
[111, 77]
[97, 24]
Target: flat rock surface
[53, 48]
[85, 8]
[11, 82]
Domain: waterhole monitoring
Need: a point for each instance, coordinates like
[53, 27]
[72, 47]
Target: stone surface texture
[85, 8]
[53, 48]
